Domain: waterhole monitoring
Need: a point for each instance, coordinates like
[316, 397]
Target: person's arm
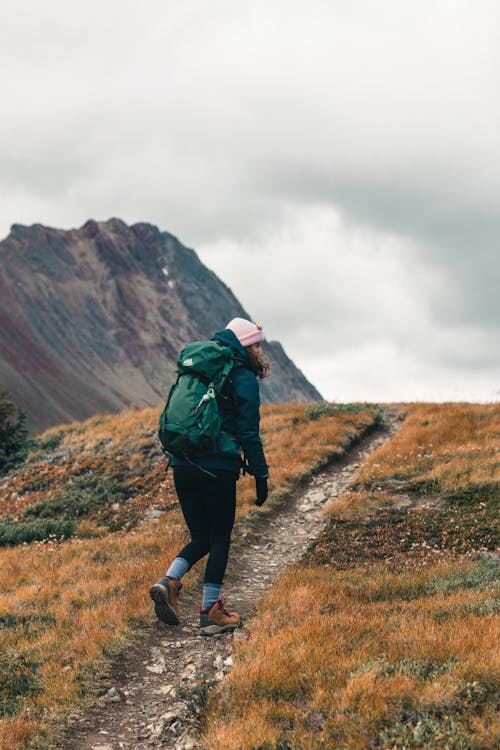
[247, 402]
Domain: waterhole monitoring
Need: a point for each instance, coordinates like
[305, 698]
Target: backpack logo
[187, 362]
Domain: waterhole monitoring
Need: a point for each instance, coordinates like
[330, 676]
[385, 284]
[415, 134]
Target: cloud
[349, 150]
[360, 297]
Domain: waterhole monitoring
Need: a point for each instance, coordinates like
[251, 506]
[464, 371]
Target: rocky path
[159, 689]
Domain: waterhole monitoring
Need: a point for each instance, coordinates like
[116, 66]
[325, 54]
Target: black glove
[262, 491]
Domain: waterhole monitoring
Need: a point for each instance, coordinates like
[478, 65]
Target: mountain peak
[91, 319]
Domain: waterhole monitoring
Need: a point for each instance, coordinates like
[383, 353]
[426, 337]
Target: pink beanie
[246, 332]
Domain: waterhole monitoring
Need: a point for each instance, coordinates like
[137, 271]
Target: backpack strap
[226, 371]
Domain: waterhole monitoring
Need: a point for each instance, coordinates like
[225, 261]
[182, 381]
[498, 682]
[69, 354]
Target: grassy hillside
[387, 637]
[77, 553]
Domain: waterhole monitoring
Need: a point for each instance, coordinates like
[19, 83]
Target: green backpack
[191, 423]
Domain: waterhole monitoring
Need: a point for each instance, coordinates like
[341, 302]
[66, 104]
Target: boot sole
[209, 630]
[163, 610]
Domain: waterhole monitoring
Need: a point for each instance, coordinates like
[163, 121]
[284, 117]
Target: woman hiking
[207, 490]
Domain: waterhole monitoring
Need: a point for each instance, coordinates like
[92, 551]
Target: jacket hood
[228, 338]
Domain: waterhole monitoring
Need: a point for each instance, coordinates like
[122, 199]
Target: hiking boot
[217, 619]
[165, 595]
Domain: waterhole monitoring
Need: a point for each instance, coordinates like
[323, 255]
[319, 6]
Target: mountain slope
[91, 319]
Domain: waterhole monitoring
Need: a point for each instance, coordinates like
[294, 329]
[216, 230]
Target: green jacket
[239, 404]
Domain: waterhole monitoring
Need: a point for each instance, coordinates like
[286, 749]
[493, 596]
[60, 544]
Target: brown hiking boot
[165, 595]
[218, 619]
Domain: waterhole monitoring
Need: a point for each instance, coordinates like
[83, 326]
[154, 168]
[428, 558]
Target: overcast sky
[335, 162]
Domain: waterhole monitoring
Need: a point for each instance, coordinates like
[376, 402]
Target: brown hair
[260, 366]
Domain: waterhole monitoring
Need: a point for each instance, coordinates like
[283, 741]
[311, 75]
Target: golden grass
[88, 591]
[334, 660]
[441, 443]
[399, 655]
[295, 445]
[68, 606]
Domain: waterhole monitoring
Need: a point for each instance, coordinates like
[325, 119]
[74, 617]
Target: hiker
[206, 486]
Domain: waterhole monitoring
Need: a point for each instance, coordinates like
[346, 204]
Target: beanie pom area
[246, 332]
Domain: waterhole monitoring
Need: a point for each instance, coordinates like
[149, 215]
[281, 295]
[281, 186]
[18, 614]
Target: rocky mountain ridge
[91, 319]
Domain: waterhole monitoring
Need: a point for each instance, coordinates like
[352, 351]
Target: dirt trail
[158, 689]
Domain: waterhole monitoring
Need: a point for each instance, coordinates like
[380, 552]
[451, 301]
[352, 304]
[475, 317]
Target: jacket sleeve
[247, 400]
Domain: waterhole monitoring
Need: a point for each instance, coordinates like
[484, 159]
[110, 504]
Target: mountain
[91, 320]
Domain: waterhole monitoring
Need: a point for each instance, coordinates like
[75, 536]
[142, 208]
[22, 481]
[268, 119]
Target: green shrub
[328, 409]
[18, 678]
[483, 576]
[14, 436]
[26, 621]
[79, 497]
[13, 533]
[57, 518]
[441, 727]
[421, 670]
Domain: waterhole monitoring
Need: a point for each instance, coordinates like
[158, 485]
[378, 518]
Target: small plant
[425, 732]
[49, 443]
[18, 678]
[421, 670]
[195, 696]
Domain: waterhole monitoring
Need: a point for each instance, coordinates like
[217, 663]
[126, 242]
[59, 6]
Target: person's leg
[220, 505]
[189, 486]
[165, 592]
[220, 501]
[178, 568]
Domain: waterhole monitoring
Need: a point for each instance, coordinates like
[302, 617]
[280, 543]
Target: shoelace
[176, 587]
[221, 603]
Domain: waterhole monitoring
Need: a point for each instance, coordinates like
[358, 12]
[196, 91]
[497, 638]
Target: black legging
[209, 505]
